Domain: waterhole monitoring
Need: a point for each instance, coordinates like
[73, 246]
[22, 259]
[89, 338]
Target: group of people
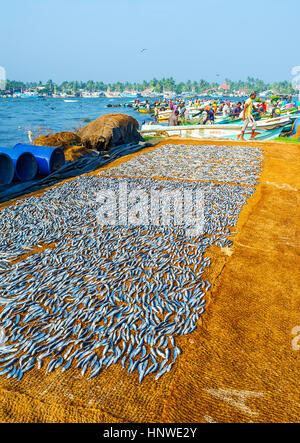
[227, 109]
[244, 110]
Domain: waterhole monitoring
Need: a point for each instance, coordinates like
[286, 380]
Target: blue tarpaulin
[85, 164]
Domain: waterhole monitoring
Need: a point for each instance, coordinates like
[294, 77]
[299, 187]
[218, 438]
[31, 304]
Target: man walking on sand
[248, 116]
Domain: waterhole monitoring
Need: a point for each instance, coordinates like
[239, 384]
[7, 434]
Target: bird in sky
[143, 50]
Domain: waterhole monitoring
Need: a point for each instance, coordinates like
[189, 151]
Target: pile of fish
[74, 293]
[225, 164]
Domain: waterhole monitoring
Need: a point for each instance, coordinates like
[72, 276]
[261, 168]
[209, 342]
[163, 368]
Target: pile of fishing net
[110, 130]
[103, 133]
[69, 141]
[58, 140]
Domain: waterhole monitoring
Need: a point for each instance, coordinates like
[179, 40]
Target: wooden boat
[163, 116]
[268, 124]
[229, 132]
[128, 95]
[271, 123]
[146, 111]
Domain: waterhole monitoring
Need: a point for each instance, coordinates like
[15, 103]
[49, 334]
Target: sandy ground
[241, 364]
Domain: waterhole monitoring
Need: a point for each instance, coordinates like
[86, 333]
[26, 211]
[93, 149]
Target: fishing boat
[128, 95]
[268, 124]
[146, 111]
[229, 132]
[163, 116]
[169, 95]
[262, 123]
[111, 94]
[25, 95]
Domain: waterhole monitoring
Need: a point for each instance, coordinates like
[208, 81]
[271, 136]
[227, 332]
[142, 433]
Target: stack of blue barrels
[26, 162]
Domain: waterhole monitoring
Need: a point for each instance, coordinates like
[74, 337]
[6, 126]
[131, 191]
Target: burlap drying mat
[239, 365]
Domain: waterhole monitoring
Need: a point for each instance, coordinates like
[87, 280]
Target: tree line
[159, 86]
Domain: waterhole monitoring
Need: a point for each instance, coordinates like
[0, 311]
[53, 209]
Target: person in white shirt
[226, 110]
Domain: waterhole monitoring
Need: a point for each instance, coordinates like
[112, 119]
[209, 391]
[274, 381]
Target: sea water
[42, 116]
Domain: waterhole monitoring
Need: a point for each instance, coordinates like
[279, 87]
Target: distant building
[147, 91]
[208, 91]
[225, 88]
[244, 92]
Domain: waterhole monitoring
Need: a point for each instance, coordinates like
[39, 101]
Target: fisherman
[181, 109]
[276, 112]
[173, 119]
[226, 109]
[237, 110]
[263, 107]
[248, 116]
[156, 113]
[209, 119]
[186, 114]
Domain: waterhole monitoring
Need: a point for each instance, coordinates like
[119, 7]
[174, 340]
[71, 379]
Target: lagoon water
[42, 116]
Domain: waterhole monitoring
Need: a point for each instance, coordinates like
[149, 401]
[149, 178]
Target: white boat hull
[207, 131]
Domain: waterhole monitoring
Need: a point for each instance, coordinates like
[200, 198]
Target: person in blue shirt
[237, 110]
[210, 116]
[276, 112]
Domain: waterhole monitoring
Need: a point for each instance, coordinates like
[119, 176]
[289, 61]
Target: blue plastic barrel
[25, 165]
[7, 169]
[48, 159]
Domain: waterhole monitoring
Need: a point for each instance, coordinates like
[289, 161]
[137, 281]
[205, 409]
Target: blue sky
[102, 39]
